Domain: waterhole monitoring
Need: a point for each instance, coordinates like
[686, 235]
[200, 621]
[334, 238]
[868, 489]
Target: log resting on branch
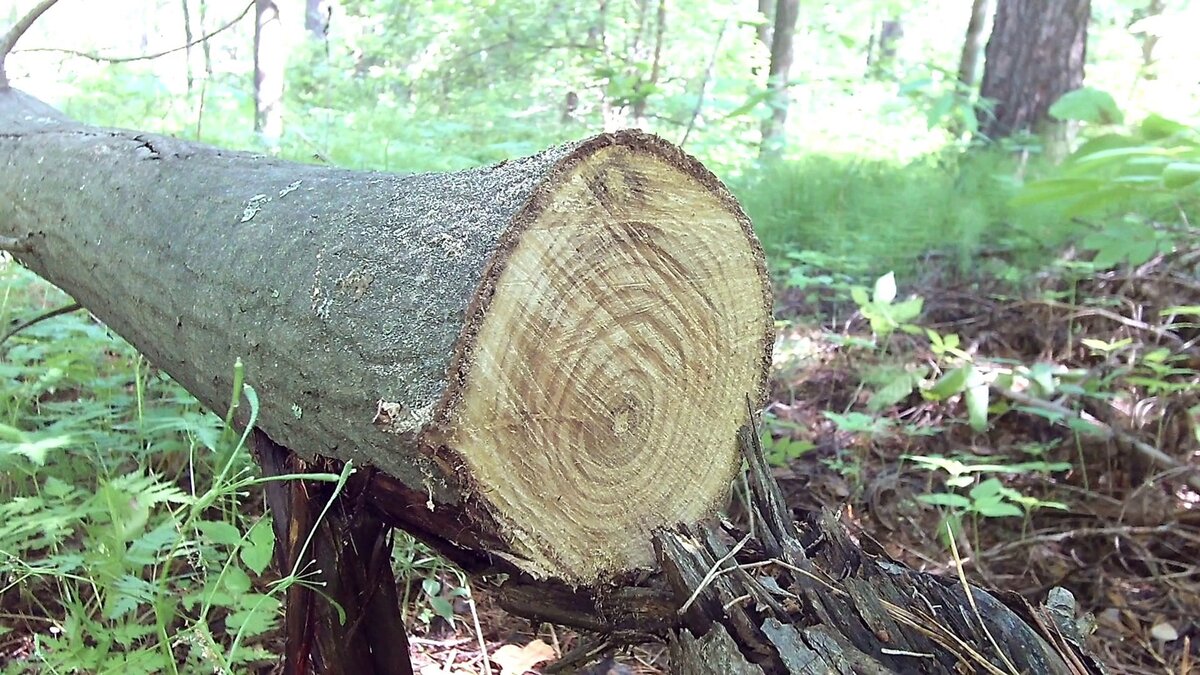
[546, 360]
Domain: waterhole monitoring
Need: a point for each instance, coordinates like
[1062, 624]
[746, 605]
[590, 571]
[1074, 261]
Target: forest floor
[1097, 515]
[1083, 475]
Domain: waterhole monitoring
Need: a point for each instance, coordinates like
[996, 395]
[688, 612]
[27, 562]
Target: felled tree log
[546, 359]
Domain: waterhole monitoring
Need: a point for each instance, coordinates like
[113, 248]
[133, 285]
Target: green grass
[879, 215]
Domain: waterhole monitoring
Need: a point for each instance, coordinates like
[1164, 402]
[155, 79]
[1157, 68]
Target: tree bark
[316, 17]
[782, 38]
[968, 63]
[766, 28]
[660, 29]
[270, 57]
[545, 359]
[1035, 55]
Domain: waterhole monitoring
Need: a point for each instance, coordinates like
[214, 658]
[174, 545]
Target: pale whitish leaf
[885, 289]
[1164, 632]
[514, 660]
[260, 544]
[976, 398]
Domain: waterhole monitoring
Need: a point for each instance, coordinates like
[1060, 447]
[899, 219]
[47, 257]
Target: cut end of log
[604, 373]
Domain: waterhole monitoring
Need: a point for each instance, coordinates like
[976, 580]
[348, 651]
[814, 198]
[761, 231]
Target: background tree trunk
[1035, 55]
[881, 55]
[783, 35]
[968, 63]
[766, 29]
[316, 17]
[270, 58]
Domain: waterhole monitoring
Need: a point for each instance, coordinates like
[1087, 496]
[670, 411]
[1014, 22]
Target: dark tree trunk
[782, 53]
[270, 57]
[767, 28]
[968, 63]
[1035, 55]
[1148, 38]
[881, 56]
[316, 19]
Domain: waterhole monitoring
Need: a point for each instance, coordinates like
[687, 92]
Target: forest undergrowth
[964, 353]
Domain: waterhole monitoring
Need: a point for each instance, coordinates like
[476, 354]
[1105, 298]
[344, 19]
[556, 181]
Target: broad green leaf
[998, 509]
[260, 544]
[1156, 127]
[903, 312]
[948, 384]
[976, 398]
[893, 392]
[1087, 105]
[859, 295]
[258, 614]
[235, 580]
[987, 489]
[1180, 174]
[219, 532]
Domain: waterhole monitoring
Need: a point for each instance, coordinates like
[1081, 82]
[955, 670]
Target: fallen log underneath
[806, 599]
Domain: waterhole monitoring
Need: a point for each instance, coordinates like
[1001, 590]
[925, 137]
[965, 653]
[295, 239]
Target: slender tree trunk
[639, 107]
[1035, 55]
[766, 29]
[1149, 38]
[187, 52]
[881, 56]
[316, 17]
[270, 58]
[782, 53]
[968, 63]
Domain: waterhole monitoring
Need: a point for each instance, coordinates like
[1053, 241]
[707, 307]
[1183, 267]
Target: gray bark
[782, 53]
[270, 59]
[1035, 55]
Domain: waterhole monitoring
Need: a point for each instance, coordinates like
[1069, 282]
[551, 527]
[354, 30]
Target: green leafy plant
[1137, 179]
[881, 309]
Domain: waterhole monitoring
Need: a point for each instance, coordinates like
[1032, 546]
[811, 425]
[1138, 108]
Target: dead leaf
[514, 660]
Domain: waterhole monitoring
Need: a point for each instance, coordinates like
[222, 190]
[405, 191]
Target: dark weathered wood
[809, 600]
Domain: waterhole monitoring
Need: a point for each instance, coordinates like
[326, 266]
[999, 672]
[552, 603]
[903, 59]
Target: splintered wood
[609, 374]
